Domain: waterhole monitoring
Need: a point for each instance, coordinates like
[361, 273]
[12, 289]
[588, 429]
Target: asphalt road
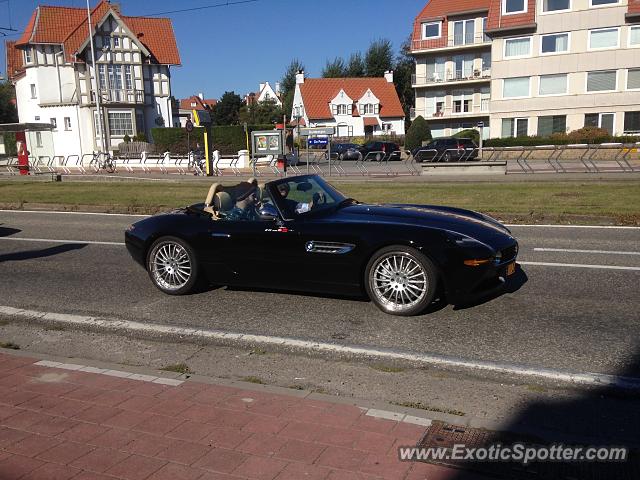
[564, 317]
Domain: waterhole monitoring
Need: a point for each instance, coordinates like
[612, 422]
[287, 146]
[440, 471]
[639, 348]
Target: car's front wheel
[401, 280]
[172, 266]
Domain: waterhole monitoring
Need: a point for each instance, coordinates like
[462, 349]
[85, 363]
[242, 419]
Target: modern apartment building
[453, 65]
[56, 81]
[556, 65]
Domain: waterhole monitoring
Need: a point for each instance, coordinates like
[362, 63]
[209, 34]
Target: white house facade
[51, 67]
[355, 107]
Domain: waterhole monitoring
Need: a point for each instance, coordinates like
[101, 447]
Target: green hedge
[228, 139]
[554, 140]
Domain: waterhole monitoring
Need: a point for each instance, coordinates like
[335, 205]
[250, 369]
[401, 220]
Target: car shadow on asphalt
[7, 231]
[41, 253]
[515, 283]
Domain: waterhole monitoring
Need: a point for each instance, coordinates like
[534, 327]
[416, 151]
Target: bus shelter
[28, 142]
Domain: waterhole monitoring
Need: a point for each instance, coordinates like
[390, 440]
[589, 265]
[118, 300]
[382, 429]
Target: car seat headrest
[215, 188]
[222, 202]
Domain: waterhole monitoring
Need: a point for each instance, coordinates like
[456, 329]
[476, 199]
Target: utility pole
[97, 89]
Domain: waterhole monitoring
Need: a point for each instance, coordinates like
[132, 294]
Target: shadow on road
[606, 416]
[45, 252]
[7, 231]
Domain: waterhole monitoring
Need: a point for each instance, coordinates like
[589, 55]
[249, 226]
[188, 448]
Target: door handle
[221, 235]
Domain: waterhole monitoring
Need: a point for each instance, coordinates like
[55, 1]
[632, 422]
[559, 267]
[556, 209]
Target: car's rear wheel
[401, 280]
[172, 266]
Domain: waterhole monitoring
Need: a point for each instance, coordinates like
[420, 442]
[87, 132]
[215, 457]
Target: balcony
[452, 42]
[121, 96]
[455, 76]
[448, 113]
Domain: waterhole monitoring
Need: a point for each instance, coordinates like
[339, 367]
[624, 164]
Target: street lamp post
[97, 89]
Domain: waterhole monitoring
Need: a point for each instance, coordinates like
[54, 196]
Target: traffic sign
[480, 124]
[189, 126]
[310, 132]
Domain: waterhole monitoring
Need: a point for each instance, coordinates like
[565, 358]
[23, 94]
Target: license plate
[511, 268]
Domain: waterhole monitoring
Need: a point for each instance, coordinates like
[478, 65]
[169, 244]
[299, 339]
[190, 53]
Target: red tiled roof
[318, 92]
[69, 27]
[185, 104]
[634, 7]
[14, 60]
[498, 22]
[370, 121]
[444, 8]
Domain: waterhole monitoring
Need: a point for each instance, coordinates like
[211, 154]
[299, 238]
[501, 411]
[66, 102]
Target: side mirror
[268, 212]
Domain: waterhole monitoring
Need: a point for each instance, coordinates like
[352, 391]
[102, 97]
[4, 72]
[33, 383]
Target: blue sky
[236, 47]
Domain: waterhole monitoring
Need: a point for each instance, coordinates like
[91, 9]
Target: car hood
[463, 222]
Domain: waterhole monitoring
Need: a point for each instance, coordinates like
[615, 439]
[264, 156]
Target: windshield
[306, 194]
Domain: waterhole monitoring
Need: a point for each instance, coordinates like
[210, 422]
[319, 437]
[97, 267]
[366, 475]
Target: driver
[247, 202]
[289, 205]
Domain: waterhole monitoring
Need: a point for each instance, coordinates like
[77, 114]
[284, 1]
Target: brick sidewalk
[58, 424]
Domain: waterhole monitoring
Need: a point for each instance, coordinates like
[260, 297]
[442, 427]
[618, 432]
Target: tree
[334, 68]
[288, 84]
[8, 112]
[379, 58]
[402, 72]
[418, 132]
[261, 113]
[355, 67]
[226, 111]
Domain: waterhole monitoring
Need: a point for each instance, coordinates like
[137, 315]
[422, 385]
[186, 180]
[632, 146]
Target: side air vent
[335, 248]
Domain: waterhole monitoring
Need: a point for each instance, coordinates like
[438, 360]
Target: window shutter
[553, 84]
[601, 81]
[376, 109]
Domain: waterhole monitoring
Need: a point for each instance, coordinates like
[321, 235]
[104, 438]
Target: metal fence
[578, 158]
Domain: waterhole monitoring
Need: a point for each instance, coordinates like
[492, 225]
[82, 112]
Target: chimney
[261, 87]
[277, 88]
[201, 95]
[300, 77]
[388, 76]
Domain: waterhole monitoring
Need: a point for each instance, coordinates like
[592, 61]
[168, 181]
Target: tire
[447, 157]
[172, 266]
[387, 278]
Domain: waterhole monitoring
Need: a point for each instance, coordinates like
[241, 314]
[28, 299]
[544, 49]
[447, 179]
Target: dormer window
[510, 7]
[28, 57]
[342, 109]
[431, 30]
[370, 109]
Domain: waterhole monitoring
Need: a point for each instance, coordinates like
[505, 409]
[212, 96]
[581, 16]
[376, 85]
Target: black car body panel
[327, 251]
[447, 149]
[390, 151]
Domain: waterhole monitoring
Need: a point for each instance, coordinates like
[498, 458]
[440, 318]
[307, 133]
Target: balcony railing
[448, 112]
[112, 95]
[451, 76]
[451, 41]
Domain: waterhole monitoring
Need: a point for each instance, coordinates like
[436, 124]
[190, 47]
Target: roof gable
[317, 93]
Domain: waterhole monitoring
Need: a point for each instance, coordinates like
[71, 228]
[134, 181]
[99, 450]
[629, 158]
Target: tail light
[384, 148]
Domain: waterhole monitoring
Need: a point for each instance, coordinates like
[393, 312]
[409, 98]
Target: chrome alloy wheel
[170, 265]
[399, 281]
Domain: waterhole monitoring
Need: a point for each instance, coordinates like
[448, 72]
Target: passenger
[288, 204]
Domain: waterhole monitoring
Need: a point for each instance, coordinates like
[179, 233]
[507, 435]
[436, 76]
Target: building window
[67, 123]
[116, 42]
[431, 30]
[634, 36]
[515, 127]
[602, 81]
[485, 23]
[599, 3]
[386, 127]
[128, 82]
[28, 55]
[516, 87]
[510, 7]
[464, 32]
[601, 120]
[633, 79]
[552, 124]
[556, 5]
[604, 38]
[553, 84]
[341, 109]
[369, 109]
[632, 122]
[554, 43]
[33, 91]
[54, 123]
[38, 139]
[120, 124]
[517, 47]
[102, 70]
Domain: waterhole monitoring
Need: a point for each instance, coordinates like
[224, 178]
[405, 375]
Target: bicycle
[103, 161]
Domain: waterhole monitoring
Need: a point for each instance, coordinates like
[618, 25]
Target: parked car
[301, 234]
[383, 150]
[447, 149]
[345, 151]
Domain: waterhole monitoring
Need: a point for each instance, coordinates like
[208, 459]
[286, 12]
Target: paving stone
[136, 467]
[260, 468]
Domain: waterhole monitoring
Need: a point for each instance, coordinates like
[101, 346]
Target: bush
[587, 135]
[469, 133]
[228, 139]
[418, 132]
[126, 139]
[140, 137]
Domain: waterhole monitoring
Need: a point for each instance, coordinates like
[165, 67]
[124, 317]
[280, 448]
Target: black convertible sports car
[301, 234]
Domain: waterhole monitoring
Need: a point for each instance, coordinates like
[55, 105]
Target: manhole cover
[449, 436]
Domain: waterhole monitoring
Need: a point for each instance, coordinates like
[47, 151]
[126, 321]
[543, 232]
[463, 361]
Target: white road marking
[580, 265]
[572, 250]
[50, 240]
[127, 327]
[77, 213]
[601, 227]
